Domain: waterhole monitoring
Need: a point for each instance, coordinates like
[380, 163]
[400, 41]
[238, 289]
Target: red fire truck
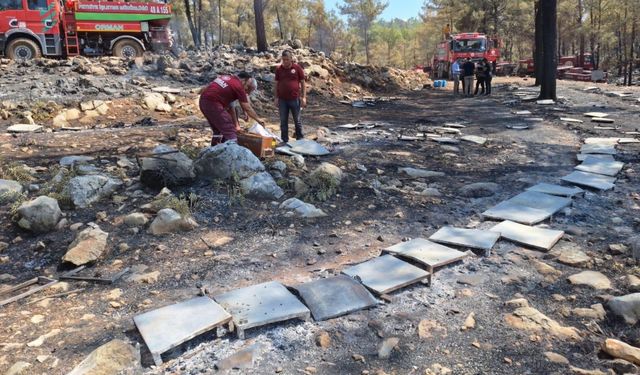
[475, 46]
[34, 28]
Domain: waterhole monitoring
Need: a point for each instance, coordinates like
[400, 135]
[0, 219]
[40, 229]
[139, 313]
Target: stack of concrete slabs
[558, 190]
[429, 253]
[538, 238]
[335, 296]
[167, 327]
[261, 304]
[592, 180]
[472, 238]
[596, 148]
[386, 274]
[599, 166]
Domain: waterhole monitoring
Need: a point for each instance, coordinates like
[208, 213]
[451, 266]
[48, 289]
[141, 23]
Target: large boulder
[326, 171]
[479, 189]
[39, 215]
[170, 221]
[261, 186]
[87, 247]
[224, 160]
[170, 169]
[85, 190]
[114, 357]
[626, 307]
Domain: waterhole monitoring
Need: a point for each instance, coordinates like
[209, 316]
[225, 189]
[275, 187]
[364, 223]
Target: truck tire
[127, 49]
[23, 49]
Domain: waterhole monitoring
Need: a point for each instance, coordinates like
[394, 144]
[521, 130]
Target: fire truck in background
[34, 28]
[475, 46]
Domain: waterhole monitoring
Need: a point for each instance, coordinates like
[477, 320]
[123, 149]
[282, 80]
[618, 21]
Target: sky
[403, 9]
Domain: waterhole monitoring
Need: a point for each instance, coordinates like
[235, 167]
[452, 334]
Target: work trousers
[468, 85]
[284, 107]
[456, 84]
[220, 121]
[480, 83]
[488, 85]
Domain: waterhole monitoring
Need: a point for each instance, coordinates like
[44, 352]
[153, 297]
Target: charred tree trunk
[279, 23]
[581, 41]
[538, 46]
[192, 26]
[549, 10]
[261, 35]
[631, 52]
[220, 39]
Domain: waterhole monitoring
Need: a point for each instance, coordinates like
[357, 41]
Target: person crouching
[215, 103]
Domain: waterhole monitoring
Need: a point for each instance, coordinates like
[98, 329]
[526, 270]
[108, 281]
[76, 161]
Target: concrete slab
[602, 140]
[539, 238]
[386, 274]
[24, 128]
[558, 190]
[425, 252]
[546, 102]
[604, 157]
[594, 148]
[599, 166]
[509, 210]
[446, 140]
[518, 127]
[454, 125]
[605, 120]
[522, 113]
[335, 296]
[596, 114]
[541, 201]
[628, 140]
[473, 238]
[474, 139]
[261, 304]
[592, 180]
[308, 147]
[170, 326]
[568, 119]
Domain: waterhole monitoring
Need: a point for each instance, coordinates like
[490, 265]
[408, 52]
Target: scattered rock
[633, 282]
[169, 168]
[85, 190]
[469, 322]
[419, 173]
[226, 160]
[530, 319]
[302, 209]
[153, 100]
[326, 172]
[618, 248]
[619, 349]
[517, 302]
[242, 359]
[556, 358]
[261, 186]
[71, 160]
[136, 219]
[386, 346]
[479, 189]
[580, 371]
[40, 215]
[626, 307]
[114, 357]
[593, 279]
[323, 339]
[145, 278]
[169, 221]
[9, 188]
[596, 312]
[572, 256]
[87, 247]
[18, 368]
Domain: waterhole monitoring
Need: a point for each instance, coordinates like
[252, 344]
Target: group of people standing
[219, 99]
[466, 71]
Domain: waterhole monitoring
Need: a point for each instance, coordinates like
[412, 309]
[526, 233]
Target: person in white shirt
[455, 73]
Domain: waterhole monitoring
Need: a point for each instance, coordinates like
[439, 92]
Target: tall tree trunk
[192, 26]
[261, 35]
[279, 23]
[538, 46]
[366, 43]
[581, 34]
[220, 36]
[632, 50]
[549, 19]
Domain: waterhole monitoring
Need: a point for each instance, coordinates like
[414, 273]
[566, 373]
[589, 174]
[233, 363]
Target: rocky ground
[512, 310]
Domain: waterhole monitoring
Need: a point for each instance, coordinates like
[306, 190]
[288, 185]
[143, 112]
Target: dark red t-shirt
[289, 81]
[225, 89]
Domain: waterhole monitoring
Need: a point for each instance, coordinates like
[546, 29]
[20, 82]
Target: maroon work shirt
[224, 90]
[289, 81]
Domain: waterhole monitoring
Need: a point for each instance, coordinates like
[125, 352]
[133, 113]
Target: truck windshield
[470, 45]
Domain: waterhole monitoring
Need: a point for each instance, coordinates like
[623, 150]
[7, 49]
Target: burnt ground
[364, 217]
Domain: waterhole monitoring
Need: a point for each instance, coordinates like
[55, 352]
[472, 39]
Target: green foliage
[15, 171]
[17, 200]
[184, 205]
[234, 190]
[323, 186]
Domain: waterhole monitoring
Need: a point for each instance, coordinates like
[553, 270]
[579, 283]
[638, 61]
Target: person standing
[215, 102]
[290, 95]
[480, 77]
[488, 76]
[455, 72]
[468, 69]
[446, 31]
